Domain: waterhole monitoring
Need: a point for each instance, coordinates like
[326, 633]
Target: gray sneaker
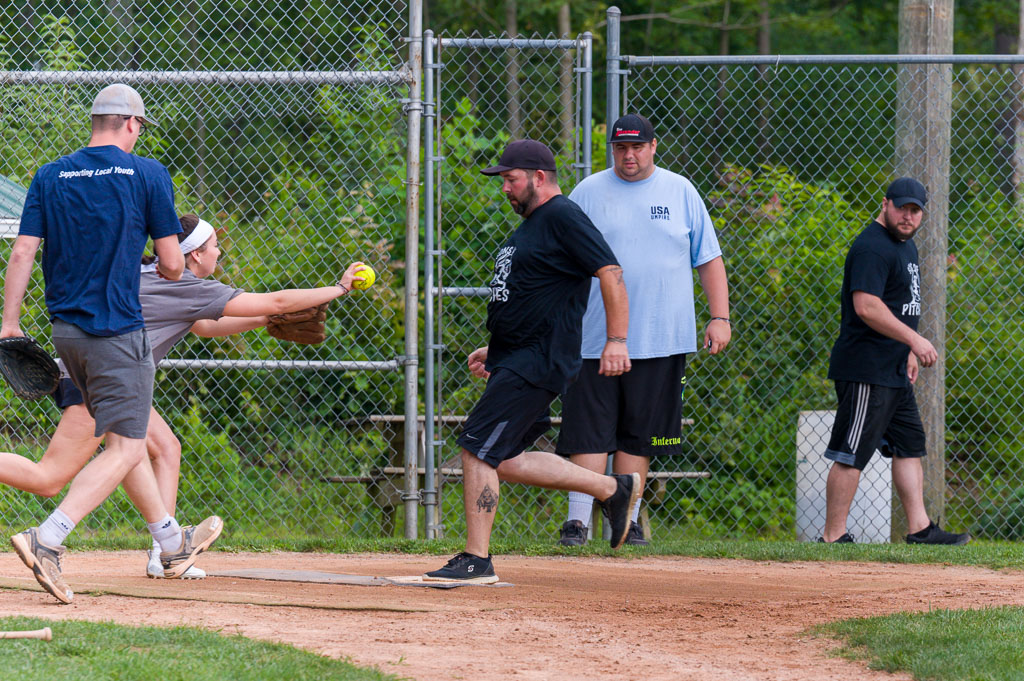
[635, 536]
[194, 540]
[573, 533]
[45, 563]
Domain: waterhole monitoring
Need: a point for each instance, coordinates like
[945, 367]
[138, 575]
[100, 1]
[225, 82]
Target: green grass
[994, 555]
[943, 645]
[87, 651]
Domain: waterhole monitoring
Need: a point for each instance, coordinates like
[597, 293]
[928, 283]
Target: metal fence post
[429, 259]
[613, 72]
[412, 241]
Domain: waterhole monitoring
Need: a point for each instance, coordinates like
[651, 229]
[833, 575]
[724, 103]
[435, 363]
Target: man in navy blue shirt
[539, 293]
[875, 363]
[93, 212]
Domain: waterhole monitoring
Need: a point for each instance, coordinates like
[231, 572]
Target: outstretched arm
[615, 356]
[227, 326]
[290, 300]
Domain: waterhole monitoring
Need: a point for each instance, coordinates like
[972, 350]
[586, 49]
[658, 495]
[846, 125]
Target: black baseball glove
[28, 369]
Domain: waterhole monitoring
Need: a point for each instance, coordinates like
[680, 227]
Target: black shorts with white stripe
[875, 417]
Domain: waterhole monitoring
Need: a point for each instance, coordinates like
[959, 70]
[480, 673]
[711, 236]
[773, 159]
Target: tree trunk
[718, 119]
[199, 125]
[122, 51]
[923, 120]
[1018, 118]
[515, 122]
[565, 80]
[764, 47]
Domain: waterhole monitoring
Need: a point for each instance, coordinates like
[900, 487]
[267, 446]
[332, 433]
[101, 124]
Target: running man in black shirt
[875, 363]
[539, 292]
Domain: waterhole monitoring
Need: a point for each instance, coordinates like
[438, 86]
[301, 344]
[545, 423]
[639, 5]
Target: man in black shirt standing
[875, 363]
[539, 292]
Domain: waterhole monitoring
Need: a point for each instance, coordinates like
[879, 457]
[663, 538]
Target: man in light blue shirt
[658, 227]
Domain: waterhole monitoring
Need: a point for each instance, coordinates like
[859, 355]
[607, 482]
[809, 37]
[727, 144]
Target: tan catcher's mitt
[302, 326]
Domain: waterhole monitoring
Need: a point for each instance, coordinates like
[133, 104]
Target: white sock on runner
[636, 508]
[580, 507]
[167, 533]
[55, 529]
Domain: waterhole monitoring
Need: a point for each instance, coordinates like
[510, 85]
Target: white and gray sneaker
[154, 570]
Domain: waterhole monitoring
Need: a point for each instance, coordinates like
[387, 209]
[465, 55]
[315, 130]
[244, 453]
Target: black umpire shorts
[508, 418]
[874, 417]
[638, 412]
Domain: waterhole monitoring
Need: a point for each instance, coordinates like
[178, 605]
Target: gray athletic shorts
[115, 375]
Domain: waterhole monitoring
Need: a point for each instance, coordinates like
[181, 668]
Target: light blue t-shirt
[659, 230]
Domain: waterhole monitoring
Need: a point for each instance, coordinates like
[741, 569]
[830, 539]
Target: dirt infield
[564, 618]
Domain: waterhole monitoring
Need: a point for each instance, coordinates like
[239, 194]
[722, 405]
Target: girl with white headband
[171, 309]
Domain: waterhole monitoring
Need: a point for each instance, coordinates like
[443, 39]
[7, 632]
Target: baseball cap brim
[495, 170]
[904, 200]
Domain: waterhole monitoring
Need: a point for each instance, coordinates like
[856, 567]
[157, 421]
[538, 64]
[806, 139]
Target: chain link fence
[484, 93]
[283, 125]
[793, 160]
[286, 127]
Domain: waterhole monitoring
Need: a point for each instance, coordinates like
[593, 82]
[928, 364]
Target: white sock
[167, 533]
[636, 509]
[580, 507]
[55, 529]
[156, 546]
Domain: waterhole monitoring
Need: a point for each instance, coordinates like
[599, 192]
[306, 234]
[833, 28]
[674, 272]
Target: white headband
[199, 236]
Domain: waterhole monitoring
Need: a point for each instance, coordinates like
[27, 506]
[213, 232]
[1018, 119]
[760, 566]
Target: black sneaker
[465, 567]
[845, 539]
[933, 534]
[573, 533]
[635, 536]
[618, 508]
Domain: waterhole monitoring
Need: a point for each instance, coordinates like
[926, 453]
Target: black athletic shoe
[465, 567]
[635, 536]
[618, 508]
[845, 539]
[573, 533]
[933, 534]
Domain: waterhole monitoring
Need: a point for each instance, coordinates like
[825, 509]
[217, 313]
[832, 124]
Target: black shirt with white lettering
[539, 293]
[885, 267]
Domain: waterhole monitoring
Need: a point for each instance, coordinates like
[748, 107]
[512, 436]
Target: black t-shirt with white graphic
[539, 293]
[885, 267]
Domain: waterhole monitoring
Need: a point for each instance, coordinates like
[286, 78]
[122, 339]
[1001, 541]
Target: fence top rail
[800, 59]
[273, 365]
[521, 43]
[209, 77]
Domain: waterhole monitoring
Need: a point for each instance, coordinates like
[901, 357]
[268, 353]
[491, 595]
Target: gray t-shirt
[171, 307]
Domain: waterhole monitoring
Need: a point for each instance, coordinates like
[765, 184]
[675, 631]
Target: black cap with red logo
[631, 128]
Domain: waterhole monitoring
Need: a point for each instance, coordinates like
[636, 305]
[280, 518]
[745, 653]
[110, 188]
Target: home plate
[314, 577]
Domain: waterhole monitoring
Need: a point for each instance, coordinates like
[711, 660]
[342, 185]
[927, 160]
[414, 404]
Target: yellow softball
[368, 275]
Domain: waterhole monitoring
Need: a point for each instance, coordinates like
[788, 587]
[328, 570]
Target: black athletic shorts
[510, 416]
[874, 417]
[67, 395]
[638, 412]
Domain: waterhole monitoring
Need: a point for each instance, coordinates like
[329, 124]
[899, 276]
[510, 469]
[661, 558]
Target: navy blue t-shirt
[885, 267]
[539, 293]
[95, 209]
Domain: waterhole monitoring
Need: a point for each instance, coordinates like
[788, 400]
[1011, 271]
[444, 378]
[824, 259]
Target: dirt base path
[564, 618]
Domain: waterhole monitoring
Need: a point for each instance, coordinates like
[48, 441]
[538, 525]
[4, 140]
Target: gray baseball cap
[120, 99]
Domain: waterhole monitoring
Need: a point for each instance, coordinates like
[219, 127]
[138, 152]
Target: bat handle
[45, 634]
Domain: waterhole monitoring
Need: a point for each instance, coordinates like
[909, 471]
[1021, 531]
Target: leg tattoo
[487, 501]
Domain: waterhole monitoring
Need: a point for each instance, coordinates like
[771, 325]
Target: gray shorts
[115, 375]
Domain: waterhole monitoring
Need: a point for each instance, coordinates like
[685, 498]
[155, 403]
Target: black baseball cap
[907, 190]
[631, 128]
[525, 154]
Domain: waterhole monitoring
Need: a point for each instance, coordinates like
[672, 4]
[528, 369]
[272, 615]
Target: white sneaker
[154, 570]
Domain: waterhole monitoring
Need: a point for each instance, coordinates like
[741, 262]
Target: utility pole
[923, 120]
